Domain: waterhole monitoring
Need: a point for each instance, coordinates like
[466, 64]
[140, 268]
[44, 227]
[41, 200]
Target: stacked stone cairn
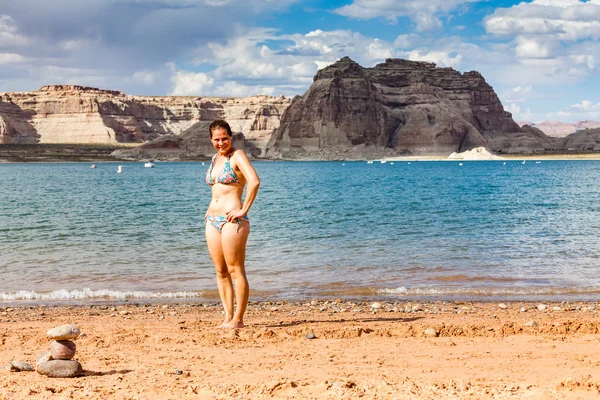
[58, 362]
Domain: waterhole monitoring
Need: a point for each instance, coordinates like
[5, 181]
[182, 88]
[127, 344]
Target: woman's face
[221, 141]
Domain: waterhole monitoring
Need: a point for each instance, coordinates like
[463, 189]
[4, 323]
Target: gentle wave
[86, 294]
[497, 291]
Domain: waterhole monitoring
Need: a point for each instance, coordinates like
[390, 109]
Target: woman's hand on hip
[233, 215]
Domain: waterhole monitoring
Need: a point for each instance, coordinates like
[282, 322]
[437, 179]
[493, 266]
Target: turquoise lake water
[434, 230]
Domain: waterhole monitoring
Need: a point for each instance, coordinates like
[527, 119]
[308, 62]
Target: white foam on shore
[528, 291]
[86, 293]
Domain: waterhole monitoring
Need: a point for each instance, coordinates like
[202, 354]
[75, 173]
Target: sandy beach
[359, 350]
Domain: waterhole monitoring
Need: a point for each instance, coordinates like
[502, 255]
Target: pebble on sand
[430, 332]
[60, 368]
[311, 336]
[530, 324]
[64, 332]
[62, 349]
[18, 366]
[47, 356]
[541, 307]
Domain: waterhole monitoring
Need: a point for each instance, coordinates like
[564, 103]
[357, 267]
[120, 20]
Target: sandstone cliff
[401, 106]
[77, 114]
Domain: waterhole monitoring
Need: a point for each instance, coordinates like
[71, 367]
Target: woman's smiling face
[221, 141]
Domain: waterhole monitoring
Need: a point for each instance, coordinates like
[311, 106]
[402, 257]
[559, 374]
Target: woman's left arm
[252, 180]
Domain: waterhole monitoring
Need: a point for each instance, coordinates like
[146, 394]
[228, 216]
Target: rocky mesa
[78, 114]
[404, 107]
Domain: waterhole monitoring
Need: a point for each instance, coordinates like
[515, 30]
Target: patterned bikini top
[226, 176]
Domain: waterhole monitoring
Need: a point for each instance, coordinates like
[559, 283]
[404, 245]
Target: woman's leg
[233, 243]
[224, 284]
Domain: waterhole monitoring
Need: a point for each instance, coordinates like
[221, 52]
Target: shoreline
[459, 350]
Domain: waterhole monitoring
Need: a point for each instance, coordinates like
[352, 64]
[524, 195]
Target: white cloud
[586, 106]
[235, 89]
[566, 20]
[440, 58]
[536, 48]
[9, 58]
[145, 77]
[9, 33]
[75, 44]
[517, 115]
[425, 14]
[191, 84]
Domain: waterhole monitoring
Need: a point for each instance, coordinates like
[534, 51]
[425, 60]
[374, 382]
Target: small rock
[430, 332]
[47, 356]
[18, 366]
[311, 336]
[556, 309]
[376, 305]
[523, 309]
[64, 332]
[178, 372]
[274, 309]
[62, 349]
[60, 368]
[530, 324]
[503, 306]
[541, 307]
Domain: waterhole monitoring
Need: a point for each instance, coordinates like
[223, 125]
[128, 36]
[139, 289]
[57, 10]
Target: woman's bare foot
[233, 324]
[225, 322]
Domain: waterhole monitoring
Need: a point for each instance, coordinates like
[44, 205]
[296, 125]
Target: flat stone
[18, 366]
[530, 324]
[376, 305]
[60, 368]
[541, 307]
[311, 336]
[430, 332]
[62, 349]
[503, 306]
[64, 332]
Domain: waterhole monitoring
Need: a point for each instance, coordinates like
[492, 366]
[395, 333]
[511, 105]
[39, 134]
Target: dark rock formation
[402, 107]
[583, 141]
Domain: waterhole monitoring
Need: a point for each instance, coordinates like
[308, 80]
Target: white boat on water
[119, 169]
[369, 162]
[93, 166]
[383, 161]
[149, 164]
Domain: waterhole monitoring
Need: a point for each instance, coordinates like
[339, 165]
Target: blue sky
[541, 56]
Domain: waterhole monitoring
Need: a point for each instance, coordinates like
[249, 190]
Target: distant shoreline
[76, 152]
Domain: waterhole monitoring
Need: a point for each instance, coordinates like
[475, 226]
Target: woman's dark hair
[219, 124]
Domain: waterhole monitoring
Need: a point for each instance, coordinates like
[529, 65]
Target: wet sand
[172, 351]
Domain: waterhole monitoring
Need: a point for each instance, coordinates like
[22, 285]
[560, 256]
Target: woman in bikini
[227, 224]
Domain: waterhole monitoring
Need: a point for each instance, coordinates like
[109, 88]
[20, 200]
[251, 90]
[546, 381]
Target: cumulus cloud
[519, 115]
[191, 84]
[9, 33]
[287, 65]
[425, 14]
[586, 106]
[440, 58]
[8, 58]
